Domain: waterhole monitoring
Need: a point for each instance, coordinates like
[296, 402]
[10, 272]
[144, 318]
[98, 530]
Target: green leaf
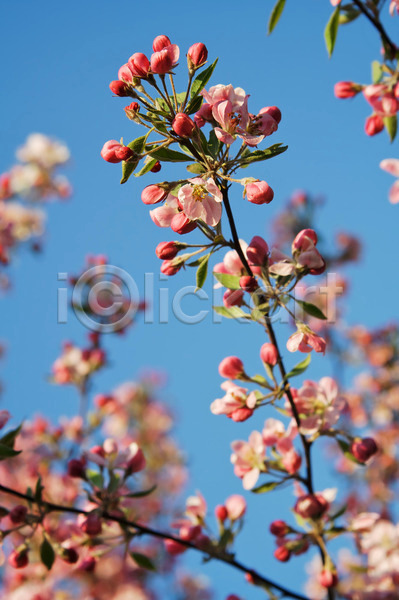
[114, 481]
[202, 79]
[168, 155]
[348, 14]
[47, 554]
[95, 478]
[194, 105]
[339, 512]
[142, 493]
[214, 144]
[299, 368]
[266, 487]
[143, 561]
[202, 271]
[376, 71]
[128, 168]
[234, 312]
[9, 438]
[232, 282]
[275, 15]
[331, 31]
[259, 379]
[391, 125]
[196, 168]
[311, 309]
[38, 490]
[147, 167]
[7, 452]
[259, 155]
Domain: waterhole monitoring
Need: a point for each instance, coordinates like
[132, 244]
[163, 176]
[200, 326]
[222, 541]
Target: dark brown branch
[144, 530]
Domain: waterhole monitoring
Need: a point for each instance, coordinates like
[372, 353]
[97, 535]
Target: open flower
[235, 400]
[318, 404]
[306, 340]
[201, 199]
[248, 459]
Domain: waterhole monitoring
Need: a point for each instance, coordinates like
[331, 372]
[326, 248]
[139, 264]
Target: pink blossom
[248, 459]
[394, 5]
[196, 508]
[201, 199]
[236, 398]
[391, 165]
[305, 340]
[163, 215]
[161, 42]
[197, 54]
[220, 93]
[231, 367]
[236, 507]
[318, 404]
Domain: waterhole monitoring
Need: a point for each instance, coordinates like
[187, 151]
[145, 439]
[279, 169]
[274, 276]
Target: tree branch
[144, 530]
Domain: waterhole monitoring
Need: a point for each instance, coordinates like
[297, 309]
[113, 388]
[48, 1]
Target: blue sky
[60, 59]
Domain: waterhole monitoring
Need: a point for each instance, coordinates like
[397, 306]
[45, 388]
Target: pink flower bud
[76, 468]
[92, 524]
[269, 354]
[119, 88]
[346, 89]
[259, 192]
[132, 110]
[137, 462]
[161, 42]
[152, 194]
[88, 564]
[168, 268]
[328, 579]
[282, 554]
[233, 597]
[125, 74]
[181, 224]
[241, 414]
[69, 555]
[248, 284]
[18, 514]
[108, 151]
[203, 115]
[163, 60]
[396, 91]
[231, 367]
[236, 507]
[257, 251]
[167, 250]
[139, 65]
[174, 548]
[18, 560]
[374, 125]
[221, 512]
[310, 506]
[389, 104]
[363, 449]
[279, 528]
[273, 111]
[123, 153]
[197, 54]
[156, 168]
[233, 298]
[301, 240]
[183, 125]
[114, 152]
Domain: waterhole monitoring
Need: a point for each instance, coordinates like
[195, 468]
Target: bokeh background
[57, 61]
